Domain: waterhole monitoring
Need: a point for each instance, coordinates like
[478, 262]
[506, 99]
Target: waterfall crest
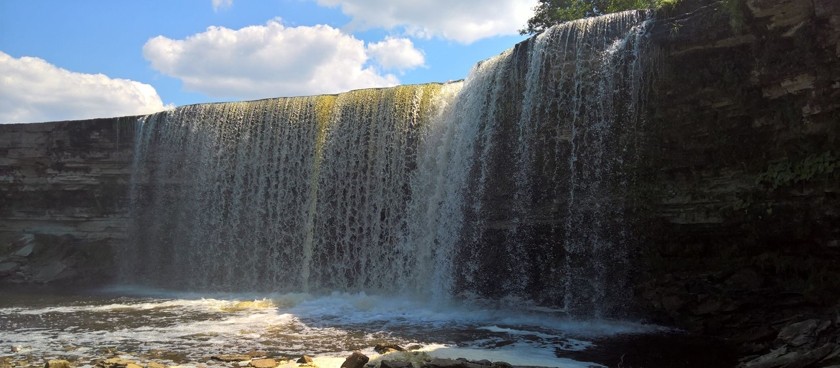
[506, 185]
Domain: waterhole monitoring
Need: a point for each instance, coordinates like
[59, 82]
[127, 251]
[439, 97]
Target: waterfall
[508, 185]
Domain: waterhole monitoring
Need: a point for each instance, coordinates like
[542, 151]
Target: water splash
[506, 186]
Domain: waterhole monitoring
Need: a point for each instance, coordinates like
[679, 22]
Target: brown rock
[263, 363]
[387, 348]
[57, 363]
[355, 360]
[155, 365]
[116, 363]
[306, 359]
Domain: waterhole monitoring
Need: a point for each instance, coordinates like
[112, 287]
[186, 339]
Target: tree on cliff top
[552, 12]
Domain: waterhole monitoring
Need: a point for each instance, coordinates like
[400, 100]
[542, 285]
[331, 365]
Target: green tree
[552, 12]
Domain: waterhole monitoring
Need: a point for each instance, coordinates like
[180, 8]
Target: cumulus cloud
[464, 21]
[273, 60]
[32, 89]
[396, 53]
[221, 4]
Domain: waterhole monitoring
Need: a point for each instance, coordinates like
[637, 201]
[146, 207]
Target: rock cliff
[63, 199]
[739, 201]
[734, 206]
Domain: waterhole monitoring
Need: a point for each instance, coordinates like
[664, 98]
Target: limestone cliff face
[734, 206]
[738, 204]
[63, 198]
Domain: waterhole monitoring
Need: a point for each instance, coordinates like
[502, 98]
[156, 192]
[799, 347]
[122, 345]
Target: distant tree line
[552, 12]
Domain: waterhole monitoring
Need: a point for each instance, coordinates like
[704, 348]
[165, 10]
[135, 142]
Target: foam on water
[326, 326]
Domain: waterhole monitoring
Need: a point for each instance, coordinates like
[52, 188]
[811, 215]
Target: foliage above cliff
[552, 12]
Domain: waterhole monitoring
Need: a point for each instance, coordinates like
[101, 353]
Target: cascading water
[508, 185]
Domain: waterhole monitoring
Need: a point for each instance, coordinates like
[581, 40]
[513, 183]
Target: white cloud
[32, 89]
[222, 4]
[464, 21]
[396, 53]
[273, 60]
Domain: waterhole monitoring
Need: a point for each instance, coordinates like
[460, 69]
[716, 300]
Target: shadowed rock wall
[63, 198]
[739, 196]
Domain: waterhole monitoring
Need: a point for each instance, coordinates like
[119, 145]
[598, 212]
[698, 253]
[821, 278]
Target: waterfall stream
[507, 185]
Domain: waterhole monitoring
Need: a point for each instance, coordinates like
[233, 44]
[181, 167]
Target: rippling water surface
[187, 329]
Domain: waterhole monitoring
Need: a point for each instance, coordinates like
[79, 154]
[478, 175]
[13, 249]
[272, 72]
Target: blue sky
[95, 58]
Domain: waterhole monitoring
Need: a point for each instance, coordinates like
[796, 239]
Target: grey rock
[49, 272]
[395, 364]
[799, 333]
[26, 251]
[7, 268]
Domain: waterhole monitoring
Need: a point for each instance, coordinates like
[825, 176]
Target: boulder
[355, 360]
[57, 363]
[799, 333]
[263, 363]
[306, 359]
[387, 348]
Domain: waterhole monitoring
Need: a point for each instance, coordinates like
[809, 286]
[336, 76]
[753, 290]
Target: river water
[183, 329]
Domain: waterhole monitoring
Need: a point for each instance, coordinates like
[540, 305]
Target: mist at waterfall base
[482, 218]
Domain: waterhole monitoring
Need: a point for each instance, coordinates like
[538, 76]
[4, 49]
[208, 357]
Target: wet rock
[263, 363]
[57, 363]
[387, 348]
[355, 360]
[395, 364]
[231, 357]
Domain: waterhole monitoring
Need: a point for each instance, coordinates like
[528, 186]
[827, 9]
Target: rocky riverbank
[387, 356]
